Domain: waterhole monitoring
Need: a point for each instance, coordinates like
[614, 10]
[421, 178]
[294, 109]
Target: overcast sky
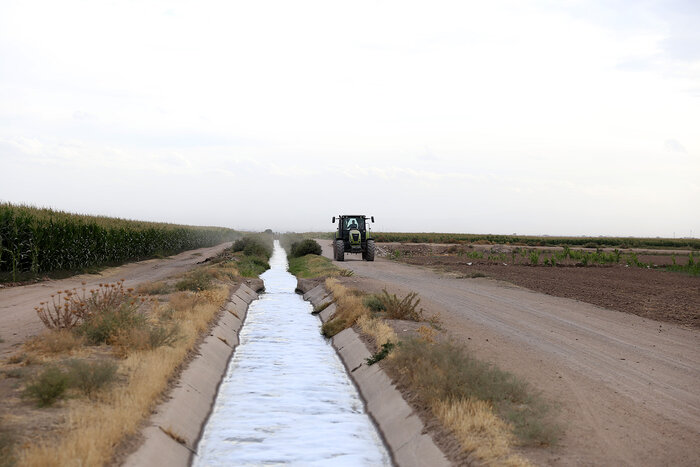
[542, 117]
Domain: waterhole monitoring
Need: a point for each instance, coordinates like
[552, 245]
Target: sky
[529, 117]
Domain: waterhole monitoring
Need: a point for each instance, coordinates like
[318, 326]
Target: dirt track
[18, 319]
[628, 387]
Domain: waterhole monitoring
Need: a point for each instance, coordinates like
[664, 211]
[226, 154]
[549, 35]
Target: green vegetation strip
[527, 240]
[35, 241]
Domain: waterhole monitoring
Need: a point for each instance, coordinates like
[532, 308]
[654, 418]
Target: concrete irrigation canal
[286, 397]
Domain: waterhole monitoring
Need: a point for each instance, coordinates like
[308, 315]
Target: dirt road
[628, 387]
[18, 319]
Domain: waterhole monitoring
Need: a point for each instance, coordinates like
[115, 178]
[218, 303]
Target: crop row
[523, 240]
[37, 241]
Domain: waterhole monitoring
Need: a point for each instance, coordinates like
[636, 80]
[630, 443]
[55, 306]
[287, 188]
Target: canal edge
[402, 431]
[174, 429]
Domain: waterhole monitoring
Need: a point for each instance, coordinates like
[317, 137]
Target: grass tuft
[90, 377]
[48, 386]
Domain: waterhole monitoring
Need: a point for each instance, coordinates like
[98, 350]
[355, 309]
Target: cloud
[674, 146]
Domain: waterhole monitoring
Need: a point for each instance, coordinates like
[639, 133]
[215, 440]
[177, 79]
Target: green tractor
[353, 236]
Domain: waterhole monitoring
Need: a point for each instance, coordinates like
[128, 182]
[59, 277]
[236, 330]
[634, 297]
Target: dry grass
[154, 288]
[479, 430]
[55, 342]
[376, 328]
[95, 427]
[349, 309]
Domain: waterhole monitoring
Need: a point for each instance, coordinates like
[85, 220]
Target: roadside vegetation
[525, 240]
[35, 241]
[489, 411]
[305, 260]
[108, 354]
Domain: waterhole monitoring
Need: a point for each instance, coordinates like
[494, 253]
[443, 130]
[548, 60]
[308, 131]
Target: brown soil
[654, 294]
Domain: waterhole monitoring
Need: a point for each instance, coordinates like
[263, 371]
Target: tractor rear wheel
[369, 254]
[339, 250]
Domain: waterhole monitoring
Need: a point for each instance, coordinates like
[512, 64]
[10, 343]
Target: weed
[89, 377]
[104, 327]
[374, 303]
[154, 288]
[48, 386]
[252, 266]
[56, 341]
[194, 281]
[382, 354]
[305, 247]
[534, 257]
[404, 308]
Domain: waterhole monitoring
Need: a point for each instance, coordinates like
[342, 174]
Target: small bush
[90, 377]
[402, 308]
[374, 303]
[194, 281]
[48, 387]
[305, 247]
[104, 327]
[252, 246]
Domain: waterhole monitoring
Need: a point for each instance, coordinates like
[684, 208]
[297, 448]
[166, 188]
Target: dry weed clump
[55, 342]
[349, 309]
[376, 328]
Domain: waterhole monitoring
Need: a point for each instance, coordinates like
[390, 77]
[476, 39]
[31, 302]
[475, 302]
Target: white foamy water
[286, 398]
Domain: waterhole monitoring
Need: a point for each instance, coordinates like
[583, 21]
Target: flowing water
[286, 397]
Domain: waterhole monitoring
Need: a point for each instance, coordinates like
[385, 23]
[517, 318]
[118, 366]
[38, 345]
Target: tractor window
[354, 223]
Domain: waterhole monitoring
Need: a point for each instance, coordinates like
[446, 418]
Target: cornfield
[35, 241]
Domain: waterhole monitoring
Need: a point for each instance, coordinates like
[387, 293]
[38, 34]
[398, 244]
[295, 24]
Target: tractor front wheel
[369, 254]
[339, 250]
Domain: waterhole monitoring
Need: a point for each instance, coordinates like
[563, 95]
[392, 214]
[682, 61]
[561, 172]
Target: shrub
[252, 246]
[404, 308]
[90, 377]
[374, 303]
[195, 281]
[305, 247]
[104, 327]
[48, 386]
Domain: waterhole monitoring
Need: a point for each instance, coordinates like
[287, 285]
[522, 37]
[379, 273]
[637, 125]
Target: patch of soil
[654, 294]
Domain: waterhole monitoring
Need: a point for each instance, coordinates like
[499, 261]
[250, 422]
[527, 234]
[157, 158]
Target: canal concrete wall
[402, 429]
[172, 432]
